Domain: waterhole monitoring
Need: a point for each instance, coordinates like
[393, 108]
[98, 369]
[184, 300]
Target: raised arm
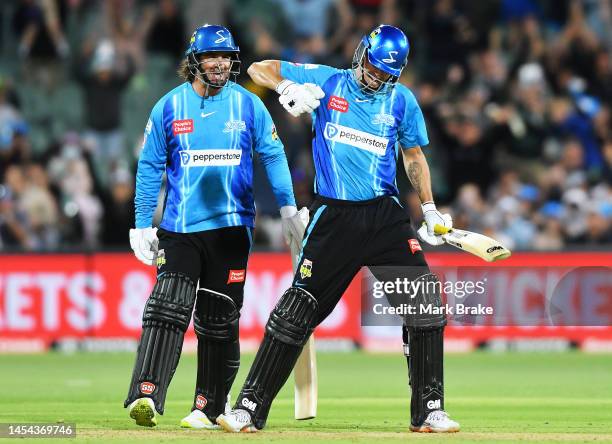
[296, 98]
[266, 73]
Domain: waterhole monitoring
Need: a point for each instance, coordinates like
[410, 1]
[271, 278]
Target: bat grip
[441, 229]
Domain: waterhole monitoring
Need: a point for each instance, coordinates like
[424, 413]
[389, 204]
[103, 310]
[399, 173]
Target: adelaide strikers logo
[185, 156]
[330, 130]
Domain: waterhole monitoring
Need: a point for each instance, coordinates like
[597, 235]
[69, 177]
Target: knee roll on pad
[171, 301]
[429, 295]
[166, 317]
[294, 317]
[216, 316]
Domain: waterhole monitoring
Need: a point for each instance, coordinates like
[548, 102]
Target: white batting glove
[144, 242]
[299, 99]
[432, 217]
[294, 224]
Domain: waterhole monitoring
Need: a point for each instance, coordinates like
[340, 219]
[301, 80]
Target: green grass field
[362, 398]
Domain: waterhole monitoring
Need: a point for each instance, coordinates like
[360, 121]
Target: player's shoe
[198, 420]
[236, 421]
[437, 421]
[143, 412]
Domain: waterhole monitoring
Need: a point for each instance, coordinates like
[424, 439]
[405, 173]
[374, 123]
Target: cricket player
[356, 219]
[202, 134]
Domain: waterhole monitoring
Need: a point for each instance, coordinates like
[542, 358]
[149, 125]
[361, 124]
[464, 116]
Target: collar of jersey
[354, 89]
[224, 94]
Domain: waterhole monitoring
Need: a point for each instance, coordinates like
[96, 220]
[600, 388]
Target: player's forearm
[418, 173]
[265, 73]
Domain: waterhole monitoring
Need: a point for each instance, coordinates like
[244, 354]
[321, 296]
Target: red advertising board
[47, 298]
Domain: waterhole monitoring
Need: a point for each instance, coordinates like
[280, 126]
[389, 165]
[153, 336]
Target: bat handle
[441, 229]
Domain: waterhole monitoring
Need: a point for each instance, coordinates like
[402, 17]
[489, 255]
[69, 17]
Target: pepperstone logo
[359, 139]
[202, 158]
[185, 156]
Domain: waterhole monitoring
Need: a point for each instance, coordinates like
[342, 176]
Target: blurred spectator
[38, 25]
[103, 87]
[319, 26]
[167, 34]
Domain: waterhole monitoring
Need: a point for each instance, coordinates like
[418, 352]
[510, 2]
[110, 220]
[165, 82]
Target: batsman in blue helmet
[362, 119]
[202, 134]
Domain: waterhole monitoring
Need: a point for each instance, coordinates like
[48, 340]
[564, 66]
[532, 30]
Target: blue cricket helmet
[211, 38]
[386, 48]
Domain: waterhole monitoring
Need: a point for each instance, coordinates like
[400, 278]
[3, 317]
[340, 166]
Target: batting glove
[144, 242]
[432, 217]
[299, 99]
[294, 225]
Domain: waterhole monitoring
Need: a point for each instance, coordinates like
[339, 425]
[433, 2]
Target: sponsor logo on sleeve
[182, 126]
[146, 388]
[358, 139]
[274, 133]
[200, 402]
[204, 158]
[236, 276]
[148, 127]
[414, 245]
[338, 104]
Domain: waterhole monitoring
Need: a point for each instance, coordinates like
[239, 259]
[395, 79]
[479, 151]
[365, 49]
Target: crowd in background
[517, 97]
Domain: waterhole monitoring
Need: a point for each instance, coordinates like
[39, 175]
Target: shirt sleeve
[306, 72]
[151, 165]
[412, 130]
[272, 154]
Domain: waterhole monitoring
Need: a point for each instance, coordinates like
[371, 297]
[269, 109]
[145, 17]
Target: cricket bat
[478, 244]
[305, 370]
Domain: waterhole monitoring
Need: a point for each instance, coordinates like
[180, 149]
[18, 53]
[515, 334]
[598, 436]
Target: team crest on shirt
[274, 133]
[234, 125]
[306, 269]
[384, 119]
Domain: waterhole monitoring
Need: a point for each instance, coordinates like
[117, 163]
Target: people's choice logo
[201, 158]
[359, 139]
